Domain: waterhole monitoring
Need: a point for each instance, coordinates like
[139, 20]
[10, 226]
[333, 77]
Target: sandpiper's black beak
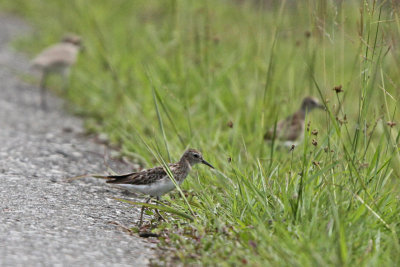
[208, 164]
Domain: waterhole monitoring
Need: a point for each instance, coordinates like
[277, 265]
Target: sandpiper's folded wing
[59, 54]
[294, 128]
[289, 129]
[280, 127]
[139, 178]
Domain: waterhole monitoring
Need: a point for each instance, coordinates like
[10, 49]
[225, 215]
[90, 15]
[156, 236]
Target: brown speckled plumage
[148, 176]
[291, 129]
[180, 170]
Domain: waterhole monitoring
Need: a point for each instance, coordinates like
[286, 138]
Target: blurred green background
[160, 76]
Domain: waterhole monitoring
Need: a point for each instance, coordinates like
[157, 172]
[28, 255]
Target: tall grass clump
[159, 76]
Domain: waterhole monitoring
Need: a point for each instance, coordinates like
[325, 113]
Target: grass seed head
[391, 124]
[314, 142]
[338, 89]
[314, 132]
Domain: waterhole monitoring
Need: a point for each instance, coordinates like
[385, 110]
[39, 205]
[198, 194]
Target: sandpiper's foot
[160, 217]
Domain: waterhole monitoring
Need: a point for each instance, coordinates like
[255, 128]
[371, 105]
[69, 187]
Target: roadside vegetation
[160, 76]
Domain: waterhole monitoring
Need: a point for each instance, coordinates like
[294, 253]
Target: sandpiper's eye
[196, 155]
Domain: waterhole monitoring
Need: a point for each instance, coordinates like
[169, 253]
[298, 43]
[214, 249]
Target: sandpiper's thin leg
[43, 102]
[160, 217]
[65, 77]
[141, 212]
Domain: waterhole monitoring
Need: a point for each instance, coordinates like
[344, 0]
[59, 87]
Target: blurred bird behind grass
[159, 76]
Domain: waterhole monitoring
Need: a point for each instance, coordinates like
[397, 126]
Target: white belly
[155, 189]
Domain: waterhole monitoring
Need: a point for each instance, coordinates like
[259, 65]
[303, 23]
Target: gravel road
[45, 221]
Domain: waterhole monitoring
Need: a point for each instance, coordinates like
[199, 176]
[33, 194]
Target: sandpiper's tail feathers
[114, 179]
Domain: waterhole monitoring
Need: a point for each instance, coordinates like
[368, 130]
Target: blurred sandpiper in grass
[57, 59]
[290, 131]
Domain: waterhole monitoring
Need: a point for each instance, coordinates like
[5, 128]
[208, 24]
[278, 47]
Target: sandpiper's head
[72, 39]
[309, 103]
[193, 157]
